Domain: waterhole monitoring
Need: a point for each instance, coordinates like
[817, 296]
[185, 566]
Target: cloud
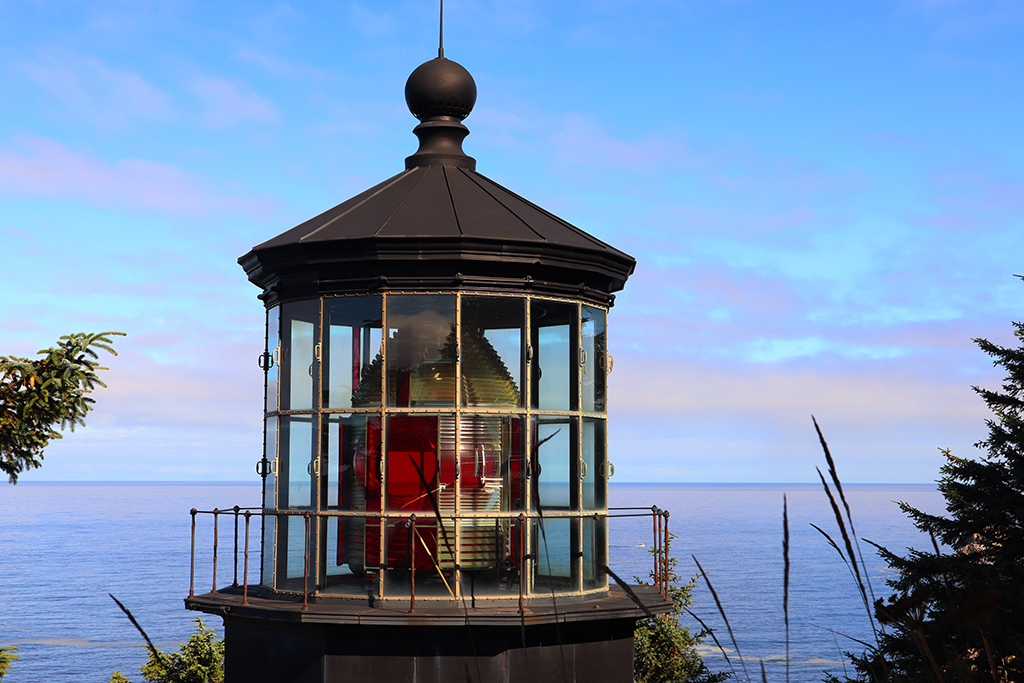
[582, 142]
[277, 66]
[94, 91]
[370, 23]
[873, 394]
[44, 168]
[229, 103]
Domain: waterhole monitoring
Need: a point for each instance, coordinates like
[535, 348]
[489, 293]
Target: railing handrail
[659, 519]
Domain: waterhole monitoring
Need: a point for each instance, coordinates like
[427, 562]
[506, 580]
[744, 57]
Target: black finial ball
[440, 87]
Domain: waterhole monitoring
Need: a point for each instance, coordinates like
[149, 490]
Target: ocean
[65, 546]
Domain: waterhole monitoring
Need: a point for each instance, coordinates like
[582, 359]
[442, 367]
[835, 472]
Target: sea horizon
[131, 539]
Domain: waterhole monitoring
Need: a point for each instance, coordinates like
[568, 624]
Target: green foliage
[960, 616]
[6, 657]
[37, 396]
[200, 659]
[664, 651]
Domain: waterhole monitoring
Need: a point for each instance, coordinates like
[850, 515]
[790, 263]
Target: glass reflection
[295, 463]
[592, 463]
[421, 350]
[345, 570]
[350, 465]
[554, 450]
[420, 551]
[272, 360]
[553, 331]
[352, 363]
[491, 463]
[593, 363]
[552, 546]
[492, 345]
[299, 322]
[491, 557]
[595, 557]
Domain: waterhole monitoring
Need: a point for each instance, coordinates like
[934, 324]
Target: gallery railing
[243, 517]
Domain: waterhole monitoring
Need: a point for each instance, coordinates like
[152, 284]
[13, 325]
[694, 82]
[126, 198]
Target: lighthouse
[436, 467]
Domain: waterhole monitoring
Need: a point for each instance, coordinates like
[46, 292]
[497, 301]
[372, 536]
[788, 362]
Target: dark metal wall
[269, 652]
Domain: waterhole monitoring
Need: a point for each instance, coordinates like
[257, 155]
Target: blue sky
[825, 200]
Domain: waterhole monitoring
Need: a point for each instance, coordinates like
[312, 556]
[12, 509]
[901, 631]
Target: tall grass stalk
[721, 611]
[785, 576]
[849, 517]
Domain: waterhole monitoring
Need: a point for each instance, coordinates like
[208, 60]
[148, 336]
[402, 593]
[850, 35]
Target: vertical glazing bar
[356, 358]
[412, 563]
[522, 559]
[383, 446]
[305, 570]
[192, 562]
[235, 582]
[456, 539]
[216, 514]
[245, 568]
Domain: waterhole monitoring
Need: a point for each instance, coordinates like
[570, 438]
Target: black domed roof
[437, 225]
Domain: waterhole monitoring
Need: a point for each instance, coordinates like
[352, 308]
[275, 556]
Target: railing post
[412, 563]
[192, 561]
[665, 546]
[245, 570]
[655, 519]
[235, 582]
[216, 514]
[305, 570]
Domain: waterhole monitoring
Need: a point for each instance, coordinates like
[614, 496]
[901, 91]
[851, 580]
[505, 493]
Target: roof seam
[503, 204]
[399, 204]
[579, 231]
[397, 178]
[451, 197]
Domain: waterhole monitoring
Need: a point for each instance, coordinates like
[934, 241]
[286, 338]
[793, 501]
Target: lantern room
[435, 468]
[423, 429]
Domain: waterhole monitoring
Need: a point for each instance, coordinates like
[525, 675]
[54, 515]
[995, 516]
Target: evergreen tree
[36, 396]
[665, 651]
[959, 615]
[200, 659]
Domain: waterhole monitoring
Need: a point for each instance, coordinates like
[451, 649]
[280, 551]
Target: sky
[825, 201]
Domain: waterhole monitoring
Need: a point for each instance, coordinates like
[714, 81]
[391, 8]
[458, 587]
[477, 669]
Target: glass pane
[554, 441]
[491, 463]
[595, 553]
[269, 551]
[351, 465]
[421, 350]
[295, 467]
[352, 360]
[593, 363]
[346, 568]
[292, 548]
[592, 464]
[552, 546]
[421, 463]
[299, 322]
[273, 361]
[491, 554]
[269, 504]
[553, 337]
[270, 484]
[492, 349]
[422, 553]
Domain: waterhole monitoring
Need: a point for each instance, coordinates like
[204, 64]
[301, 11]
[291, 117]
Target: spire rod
[440, 37]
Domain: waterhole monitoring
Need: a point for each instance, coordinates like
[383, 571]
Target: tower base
[275, 641]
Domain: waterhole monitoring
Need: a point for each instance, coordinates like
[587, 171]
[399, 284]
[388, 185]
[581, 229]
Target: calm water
[64, 547]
